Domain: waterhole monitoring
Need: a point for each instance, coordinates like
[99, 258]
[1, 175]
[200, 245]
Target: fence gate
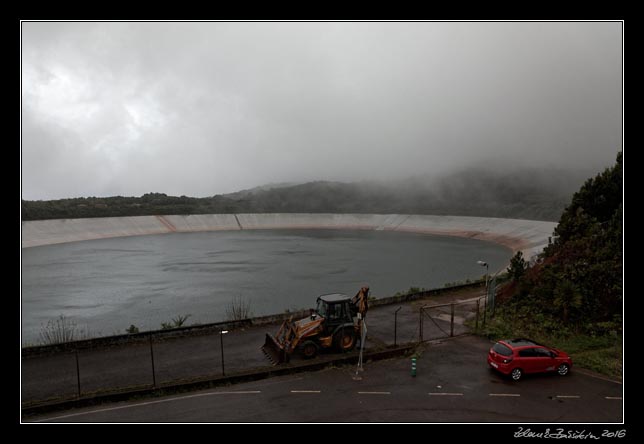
[447, 320]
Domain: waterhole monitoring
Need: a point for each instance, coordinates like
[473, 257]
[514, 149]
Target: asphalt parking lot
[452, 384]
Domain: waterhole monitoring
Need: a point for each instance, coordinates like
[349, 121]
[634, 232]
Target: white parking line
[305, 391]
[504, 394]
[177, 398]
[614, 397]
[568, 396]
[444, 394]
[374, 393]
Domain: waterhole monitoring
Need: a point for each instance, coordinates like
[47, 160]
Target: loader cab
[335, 309]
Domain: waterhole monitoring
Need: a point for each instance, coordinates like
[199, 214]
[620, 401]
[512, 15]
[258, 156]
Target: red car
[515, 357]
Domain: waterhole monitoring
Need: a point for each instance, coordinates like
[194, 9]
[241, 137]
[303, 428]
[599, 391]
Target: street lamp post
[221, 339]
[487, 272]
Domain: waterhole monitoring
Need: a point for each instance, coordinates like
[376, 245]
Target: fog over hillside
[539, 194]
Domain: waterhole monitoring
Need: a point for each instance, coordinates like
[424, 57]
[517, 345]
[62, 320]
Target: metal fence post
[77, 373]
[420, 325]
[154, 378]
[221, 344]
[396, 324]
[451, 332]
[478, 304]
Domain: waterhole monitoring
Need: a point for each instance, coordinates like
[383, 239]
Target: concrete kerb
[207, 382]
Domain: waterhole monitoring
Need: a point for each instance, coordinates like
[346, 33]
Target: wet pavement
[453, 384]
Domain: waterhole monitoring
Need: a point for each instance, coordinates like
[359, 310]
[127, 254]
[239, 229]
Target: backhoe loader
[335, 322]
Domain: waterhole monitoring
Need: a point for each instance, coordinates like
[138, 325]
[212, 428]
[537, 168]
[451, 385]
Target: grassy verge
[599, 353]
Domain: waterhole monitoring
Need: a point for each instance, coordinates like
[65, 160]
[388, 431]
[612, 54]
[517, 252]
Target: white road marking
[444, 394]
[305, 391]
[568, 396]
[504, 394]
[614, 397]
[178, 398]
[374, 393]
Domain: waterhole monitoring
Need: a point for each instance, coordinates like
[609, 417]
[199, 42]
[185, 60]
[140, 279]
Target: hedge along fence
[215, 327]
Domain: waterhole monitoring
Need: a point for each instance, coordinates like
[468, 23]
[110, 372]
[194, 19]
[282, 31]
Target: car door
[527, 358]
[544, 361]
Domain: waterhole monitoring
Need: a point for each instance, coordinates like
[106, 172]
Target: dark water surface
[108, 284]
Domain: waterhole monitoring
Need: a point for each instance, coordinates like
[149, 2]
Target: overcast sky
[200, 109]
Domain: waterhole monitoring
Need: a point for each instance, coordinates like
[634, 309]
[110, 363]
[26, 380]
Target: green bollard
[413, 366]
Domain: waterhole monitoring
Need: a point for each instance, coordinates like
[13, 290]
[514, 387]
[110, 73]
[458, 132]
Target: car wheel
[516, 374]
[563, 369]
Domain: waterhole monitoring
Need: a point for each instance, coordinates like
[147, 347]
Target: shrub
[238, 309]
[61, 330]
[176, 322]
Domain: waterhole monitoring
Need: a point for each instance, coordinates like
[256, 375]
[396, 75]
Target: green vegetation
[572, 296]
[61, 330]
[132, 329]
[176, 322]
[600, 352]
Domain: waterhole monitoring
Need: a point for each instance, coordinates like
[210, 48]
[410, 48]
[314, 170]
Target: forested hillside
[578, 279]
[526, 194]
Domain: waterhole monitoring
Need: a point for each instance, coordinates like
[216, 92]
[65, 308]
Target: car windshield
[502, 349]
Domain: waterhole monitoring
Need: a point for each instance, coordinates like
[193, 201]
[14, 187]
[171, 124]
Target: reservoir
[106, 285]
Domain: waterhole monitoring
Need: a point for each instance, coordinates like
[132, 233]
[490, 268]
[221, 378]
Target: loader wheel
[345, 340]
[310, 349]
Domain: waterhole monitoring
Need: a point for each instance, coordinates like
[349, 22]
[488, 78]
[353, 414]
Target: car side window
[542, 353]
[527, 353]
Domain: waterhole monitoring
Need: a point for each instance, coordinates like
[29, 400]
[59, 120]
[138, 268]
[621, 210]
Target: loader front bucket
[274, 351]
